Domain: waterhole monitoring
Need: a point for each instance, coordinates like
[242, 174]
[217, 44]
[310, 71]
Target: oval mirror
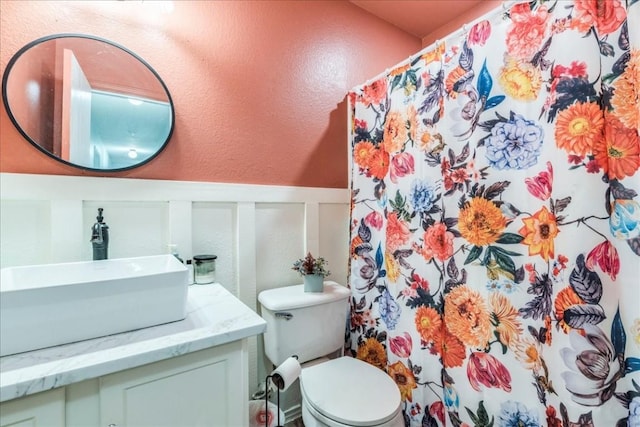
[88, 102]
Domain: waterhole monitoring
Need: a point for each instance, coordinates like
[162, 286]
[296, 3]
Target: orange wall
[258, 86]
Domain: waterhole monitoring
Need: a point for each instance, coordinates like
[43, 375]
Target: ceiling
[418, 17]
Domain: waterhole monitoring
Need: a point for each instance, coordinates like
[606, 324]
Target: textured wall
[258, 86]
[483, 8]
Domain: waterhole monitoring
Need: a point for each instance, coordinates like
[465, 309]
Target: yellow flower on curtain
[481, 222]
[467, 316]
[395, 132]
[373, 352]
[520, 80]
[539, 231]
[392, 267]
[619, 154]
[508, 326]
[428, 324]
[579, 128]
[404, 378]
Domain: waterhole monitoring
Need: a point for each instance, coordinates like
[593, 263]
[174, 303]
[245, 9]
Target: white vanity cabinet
[189, 373]
[42, 409]
[206, 388]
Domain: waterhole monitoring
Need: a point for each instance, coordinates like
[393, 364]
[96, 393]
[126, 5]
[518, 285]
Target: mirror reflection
[88, 102]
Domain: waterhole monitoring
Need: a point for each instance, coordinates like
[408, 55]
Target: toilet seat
[317, 418]
[350, 392]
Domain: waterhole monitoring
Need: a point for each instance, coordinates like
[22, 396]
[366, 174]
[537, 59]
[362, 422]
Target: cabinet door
[44, 409]
[205, 388]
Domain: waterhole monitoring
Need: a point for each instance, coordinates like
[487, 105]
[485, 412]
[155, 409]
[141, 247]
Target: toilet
[338, 392]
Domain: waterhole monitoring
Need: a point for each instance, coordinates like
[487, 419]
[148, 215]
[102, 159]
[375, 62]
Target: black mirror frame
[33, 43]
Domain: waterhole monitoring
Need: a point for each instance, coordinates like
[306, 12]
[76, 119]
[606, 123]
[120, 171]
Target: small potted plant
[313, 271]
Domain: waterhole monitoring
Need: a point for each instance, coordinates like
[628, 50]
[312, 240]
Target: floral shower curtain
[495, 221]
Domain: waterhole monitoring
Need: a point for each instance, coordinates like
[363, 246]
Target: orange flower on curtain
[481, 222]
[428, 324]
[375, 93]
[579, 128]
[619, 153]
[451, 350]
[467, 316]
[626, 93]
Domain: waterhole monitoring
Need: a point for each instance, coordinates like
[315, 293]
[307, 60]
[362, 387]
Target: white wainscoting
[256, 231]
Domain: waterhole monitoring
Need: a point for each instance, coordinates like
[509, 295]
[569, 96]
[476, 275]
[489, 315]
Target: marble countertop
[214, 317]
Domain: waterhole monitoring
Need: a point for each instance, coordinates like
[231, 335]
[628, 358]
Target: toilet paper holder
[281, 377]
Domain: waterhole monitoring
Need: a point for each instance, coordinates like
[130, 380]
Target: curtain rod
[465, 27]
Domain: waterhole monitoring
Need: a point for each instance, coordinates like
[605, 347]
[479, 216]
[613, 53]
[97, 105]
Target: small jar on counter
[204, 269]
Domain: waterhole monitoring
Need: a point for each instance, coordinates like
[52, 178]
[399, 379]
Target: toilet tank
[306, 324]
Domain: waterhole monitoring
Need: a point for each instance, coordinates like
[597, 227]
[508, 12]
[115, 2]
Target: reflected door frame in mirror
[88, 102]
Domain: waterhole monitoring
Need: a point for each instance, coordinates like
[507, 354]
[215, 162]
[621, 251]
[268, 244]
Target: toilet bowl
[349, 392]
[340, 392]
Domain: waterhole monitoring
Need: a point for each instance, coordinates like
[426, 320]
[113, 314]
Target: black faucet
[100, 238]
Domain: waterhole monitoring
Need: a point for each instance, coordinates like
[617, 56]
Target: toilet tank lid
[291, 297]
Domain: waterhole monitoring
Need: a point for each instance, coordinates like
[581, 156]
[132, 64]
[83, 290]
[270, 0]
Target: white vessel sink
[53, 304]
